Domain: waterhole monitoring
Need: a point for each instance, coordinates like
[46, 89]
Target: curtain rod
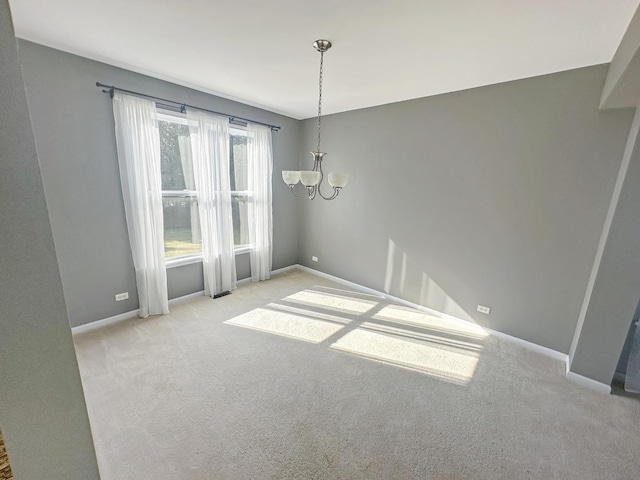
[182, 106]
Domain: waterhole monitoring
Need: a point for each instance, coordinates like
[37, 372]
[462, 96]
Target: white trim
[546, 351]
[186, 298]
[571, 376]
[165, 115]
[622, 173]
[183, 260]
[588, 382]
[88, 327]
[197, 257]
[285, 269]
[518, 341]
[273, 272]
[242, 249]
[563, 357]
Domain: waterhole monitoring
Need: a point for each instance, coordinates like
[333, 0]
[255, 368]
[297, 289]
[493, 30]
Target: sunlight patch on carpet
[409, 316]
[450, 364]
[330, 301]
[286, 324]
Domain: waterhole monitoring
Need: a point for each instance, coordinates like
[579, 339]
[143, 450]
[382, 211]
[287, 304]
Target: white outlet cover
[483, 309]
[122, 296]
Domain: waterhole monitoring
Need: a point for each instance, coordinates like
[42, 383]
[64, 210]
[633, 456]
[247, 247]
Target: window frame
[239, 130]
[180, 118]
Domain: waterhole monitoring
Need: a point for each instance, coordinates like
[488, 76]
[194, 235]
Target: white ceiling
[259, 52]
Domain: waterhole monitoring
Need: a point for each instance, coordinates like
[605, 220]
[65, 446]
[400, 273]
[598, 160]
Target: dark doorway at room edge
[619, 377]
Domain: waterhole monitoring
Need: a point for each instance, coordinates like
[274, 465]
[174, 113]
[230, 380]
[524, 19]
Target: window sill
[191, 259]
[184, 260]
[242, 249]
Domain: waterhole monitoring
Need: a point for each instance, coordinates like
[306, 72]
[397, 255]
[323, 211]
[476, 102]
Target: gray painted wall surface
[493, 196]
[74, 131]
[42, 410]
[615, 292]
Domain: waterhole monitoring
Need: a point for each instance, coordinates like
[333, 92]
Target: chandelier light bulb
[290, 177]
[338, 180]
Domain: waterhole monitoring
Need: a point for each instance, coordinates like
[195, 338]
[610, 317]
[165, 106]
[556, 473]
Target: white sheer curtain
[210, 152]
[138, 144]
[260, 167]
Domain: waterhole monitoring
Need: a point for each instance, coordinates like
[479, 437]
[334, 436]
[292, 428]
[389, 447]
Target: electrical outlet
[122, 296]
[483, 309]
[314, 259]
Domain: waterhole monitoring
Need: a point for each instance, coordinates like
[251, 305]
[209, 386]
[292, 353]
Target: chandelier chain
[320, 98]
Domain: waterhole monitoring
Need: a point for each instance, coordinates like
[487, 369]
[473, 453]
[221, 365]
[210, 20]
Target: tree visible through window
[240, 195]
[182, 235]
[179, 197]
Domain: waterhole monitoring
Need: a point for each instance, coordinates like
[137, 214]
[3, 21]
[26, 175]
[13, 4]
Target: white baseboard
[546, 351]
[186, 298]
[273, 272]
[285, 269]
[571, 376]
[563, 357]
[88, 327]
[588, 382]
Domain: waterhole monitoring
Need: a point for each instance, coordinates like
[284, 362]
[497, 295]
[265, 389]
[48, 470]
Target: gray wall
[615, 291]
[74, 131]
[42, 411]
[493, 196]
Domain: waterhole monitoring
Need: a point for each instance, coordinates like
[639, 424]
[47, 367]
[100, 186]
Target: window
[240, 195]
[182, 236]
[179, 197]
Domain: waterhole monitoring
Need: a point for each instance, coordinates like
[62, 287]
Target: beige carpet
[299, 378]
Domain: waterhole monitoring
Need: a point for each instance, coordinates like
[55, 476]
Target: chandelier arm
[294, 192]
[335, 194]
[318, 167]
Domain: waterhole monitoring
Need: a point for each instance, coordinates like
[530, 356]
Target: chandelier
[312, 179]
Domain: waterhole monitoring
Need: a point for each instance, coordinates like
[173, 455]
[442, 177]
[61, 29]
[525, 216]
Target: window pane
[182, 234]
[175, 156]
[239, 206]
[239, 182]
[181, 222]
[238, 162]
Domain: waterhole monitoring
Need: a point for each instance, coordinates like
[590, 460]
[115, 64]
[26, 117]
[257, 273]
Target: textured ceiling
[259, 52]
